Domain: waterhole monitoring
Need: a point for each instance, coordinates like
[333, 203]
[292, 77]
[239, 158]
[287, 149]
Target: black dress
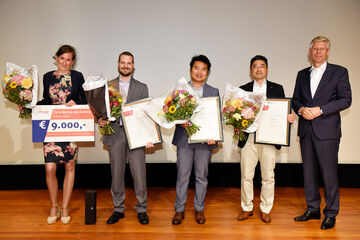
[60, 90]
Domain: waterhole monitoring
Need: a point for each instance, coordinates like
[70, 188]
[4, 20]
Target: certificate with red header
[273, 125]
[58, 123]
[139, 127]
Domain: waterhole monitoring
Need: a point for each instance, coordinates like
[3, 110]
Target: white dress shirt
[124, 88]
[315, 77]
[259, 89]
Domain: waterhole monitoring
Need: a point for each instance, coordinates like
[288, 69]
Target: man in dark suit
[321, 92]
[197, 155]
[131, 90]
[252, 153]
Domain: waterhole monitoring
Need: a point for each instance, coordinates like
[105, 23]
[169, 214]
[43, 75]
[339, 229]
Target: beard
[127, 73]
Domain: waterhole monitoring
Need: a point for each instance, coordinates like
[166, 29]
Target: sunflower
[244, 123]
[13, 85]
[172, 109]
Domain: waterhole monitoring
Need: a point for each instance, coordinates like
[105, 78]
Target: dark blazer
[332, 95]
[137, 91]
[180, 138]
[77, 91]
[273, 90]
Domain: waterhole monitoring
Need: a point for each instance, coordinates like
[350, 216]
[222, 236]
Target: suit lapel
[307, 83]
[251, 89]
[114, 83]
[205, 90]
[132, 88]
[269, 88]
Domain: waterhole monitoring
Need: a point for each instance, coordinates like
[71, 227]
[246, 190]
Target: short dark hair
[259, 57]
[126, 53]
[201, 58]
[66, 49]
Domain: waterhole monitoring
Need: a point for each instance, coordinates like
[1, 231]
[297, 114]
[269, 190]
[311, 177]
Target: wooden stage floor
[23, 216]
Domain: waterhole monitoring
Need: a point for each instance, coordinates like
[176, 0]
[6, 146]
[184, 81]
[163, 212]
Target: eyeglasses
[319, 49]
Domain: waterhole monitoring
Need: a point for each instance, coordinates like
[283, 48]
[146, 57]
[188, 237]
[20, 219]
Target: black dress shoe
[329, 222]
[115, 217]
[307, 216]
[143, 218]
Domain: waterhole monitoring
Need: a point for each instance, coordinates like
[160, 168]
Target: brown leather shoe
[177, 219]
[265, 217]
[200, 217]
[245, 215]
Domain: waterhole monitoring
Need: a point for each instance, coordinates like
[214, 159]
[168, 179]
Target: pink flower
[231, 109]
[26, 95]
[70, 150]
[248, 113]
[182, 101]
[17, 79]
[165, 109]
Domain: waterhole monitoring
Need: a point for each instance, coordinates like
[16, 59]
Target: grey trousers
[118, 153]
[187, 157]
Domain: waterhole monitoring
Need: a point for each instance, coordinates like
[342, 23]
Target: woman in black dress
[62, 86]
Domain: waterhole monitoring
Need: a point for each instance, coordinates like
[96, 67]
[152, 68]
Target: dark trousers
[320, 157]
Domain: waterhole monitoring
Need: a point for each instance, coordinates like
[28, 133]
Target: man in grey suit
[117, 144]
[321, 92]
[198, 155]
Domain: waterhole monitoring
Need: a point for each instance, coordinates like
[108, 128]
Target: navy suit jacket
[332, 96]
[77, 91]
[180, 138]
[273, 90]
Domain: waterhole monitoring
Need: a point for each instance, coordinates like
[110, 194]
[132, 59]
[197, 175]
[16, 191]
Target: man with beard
[131, 90]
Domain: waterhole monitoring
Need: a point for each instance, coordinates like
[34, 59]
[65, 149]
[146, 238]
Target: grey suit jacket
[180, 138]
[137, 91]
[332, 95]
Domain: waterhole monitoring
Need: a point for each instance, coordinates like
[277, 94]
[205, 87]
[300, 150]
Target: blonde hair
[320, 39]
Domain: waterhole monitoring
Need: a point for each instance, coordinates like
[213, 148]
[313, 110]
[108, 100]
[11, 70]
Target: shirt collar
[202, 86]
[322, 68]
[262, 85]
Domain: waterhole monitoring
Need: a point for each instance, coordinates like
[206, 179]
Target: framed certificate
[209, 120]
[273, 125]
[139, 127]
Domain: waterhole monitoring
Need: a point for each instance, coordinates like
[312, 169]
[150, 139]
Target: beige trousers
[251, 153]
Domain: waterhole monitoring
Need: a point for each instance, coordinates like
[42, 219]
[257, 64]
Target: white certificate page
[273, 125]
[139, 127]
[209, 120]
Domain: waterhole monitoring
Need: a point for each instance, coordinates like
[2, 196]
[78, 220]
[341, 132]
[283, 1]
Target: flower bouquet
[105, 102]
[115, 100]
[241, 110]
[180, 105]
[177, 107]
[20, 87]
